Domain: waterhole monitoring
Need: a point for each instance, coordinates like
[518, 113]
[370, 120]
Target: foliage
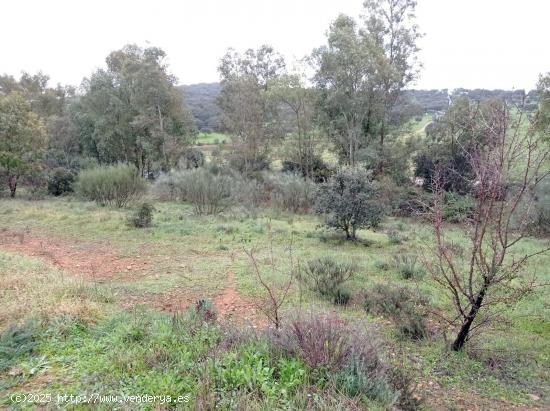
[400, 304]
[142, 217]
[248, 164]
[249, 114]
[131, 112]
[191, 158]
[310, 167]
[207, 192]
[362, 71]
[326, 275]
[115, 185]
[17, 341]
[348, 201]
[509, 162]
[61, 182]
[291, 192]
[407, 265]
[458, 208]
[22, 139]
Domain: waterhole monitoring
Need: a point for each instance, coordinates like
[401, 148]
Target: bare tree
[275, 296]
[508, 165]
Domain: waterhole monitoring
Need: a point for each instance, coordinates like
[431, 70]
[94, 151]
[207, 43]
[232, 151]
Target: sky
[467, 43]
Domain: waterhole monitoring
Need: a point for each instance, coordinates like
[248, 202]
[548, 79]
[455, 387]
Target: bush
[326, 275]
[191, 158]
[16, 342]
[413, 202]
[142, 217]
[457, 208]
[207, 192]
[348, 201]
[411, 324]
[406, 265]
[60, 182]
[341, 296]
[112, 185]
[342, 354]
[402, 306]
[386, 300]
[318, 170]
[243, 163]
[394, 238]
[291, 192]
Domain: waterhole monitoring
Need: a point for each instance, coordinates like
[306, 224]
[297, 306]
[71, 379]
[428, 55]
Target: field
[212, 139]
[98, 304]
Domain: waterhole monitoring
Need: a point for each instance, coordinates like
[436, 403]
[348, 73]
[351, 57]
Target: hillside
[201, 98]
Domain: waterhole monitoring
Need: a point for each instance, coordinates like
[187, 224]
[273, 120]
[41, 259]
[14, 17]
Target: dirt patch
[92, 261]
[231, 304]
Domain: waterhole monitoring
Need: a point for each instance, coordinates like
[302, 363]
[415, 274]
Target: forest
[317, 236]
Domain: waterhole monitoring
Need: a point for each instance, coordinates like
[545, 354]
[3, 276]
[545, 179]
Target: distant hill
[201, 99]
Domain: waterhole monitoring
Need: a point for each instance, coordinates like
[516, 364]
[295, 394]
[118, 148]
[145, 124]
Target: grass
[212, 138]
[110, 337]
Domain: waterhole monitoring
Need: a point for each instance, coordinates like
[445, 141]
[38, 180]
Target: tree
[290, 90]
[348, 201]
[346, 77]
[131, 112]
[391, 26]
[22, 139]
[486, 276]
[449, 140]
[362, 72]
[248, 112]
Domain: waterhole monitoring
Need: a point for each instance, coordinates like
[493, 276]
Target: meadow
[90, 305]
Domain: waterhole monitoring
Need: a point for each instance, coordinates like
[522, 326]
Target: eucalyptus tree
[131, 112]
[391, 26]
[362, 71]
[299, 104]
[23, 139]
[249, 114]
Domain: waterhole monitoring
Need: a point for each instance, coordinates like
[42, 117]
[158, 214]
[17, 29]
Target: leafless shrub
[507, 167]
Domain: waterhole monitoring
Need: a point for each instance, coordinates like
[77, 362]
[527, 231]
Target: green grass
[103, 346]
[212, 138]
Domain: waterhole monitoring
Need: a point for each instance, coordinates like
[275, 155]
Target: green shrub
[326, 275]
[341, 296]
[457, 208]
[16, 342]
[402, 306]
[387, 300]
[60, 182]
[394, 237]
[411, 324]
[291, 192]
[191, 158]
[407, 265]
[208, 193]
[316, 169]
[339, 353]
[348, 201]
[115, 185]
[142, 217]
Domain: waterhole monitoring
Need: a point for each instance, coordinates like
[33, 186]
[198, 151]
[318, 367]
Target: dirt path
[91, 261]
[230, 303]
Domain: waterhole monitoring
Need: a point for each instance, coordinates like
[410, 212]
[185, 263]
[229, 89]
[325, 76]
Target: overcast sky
[468, 43]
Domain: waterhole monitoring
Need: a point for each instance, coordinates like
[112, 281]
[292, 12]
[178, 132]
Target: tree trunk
[468, 321]
[12, 181]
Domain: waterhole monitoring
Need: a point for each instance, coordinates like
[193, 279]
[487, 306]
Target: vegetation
[348, 201]
[144, 260]
[113, 185]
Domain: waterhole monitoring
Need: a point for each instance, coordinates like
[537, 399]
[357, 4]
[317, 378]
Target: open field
[102, 298]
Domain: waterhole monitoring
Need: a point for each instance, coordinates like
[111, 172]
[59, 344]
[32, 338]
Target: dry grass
[32, 289]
